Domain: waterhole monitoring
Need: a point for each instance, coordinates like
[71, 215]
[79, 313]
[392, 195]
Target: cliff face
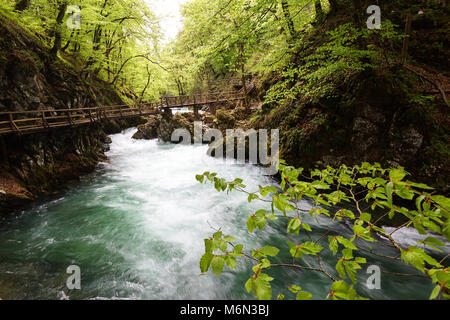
[388, 113]
[377, 126]
[30, 79]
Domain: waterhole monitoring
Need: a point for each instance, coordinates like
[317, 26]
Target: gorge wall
[31, 78]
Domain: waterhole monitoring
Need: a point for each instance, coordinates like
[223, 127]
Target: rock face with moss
[374, 122]
[148, 130]
[36, 165]
[163, 126]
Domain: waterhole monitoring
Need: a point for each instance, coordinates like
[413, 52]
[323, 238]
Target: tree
[287, 16]
[57, 30]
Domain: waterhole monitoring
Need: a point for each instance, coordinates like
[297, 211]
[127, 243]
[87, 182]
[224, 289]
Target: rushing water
[136, 226]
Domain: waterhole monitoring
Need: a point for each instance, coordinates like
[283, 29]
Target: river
[135, 227]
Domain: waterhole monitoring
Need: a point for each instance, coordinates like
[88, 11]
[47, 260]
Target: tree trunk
[287, 16]
[147, 84]
[406, 40]
[22, 5]
[244, 84]
[358, 11]
[57, 30]
[319, 11]
[334, 5]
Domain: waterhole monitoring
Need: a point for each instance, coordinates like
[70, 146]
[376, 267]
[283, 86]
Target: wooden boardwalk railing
[192, 100]
[31, 121]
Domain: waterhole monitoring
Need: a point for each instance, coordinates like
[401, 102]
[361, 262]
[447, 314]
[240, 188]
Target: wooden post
[13, 124]
[90, 115]
[213, 109]
[44, 120]
[196, 111]
[168, 111]
[69, 118]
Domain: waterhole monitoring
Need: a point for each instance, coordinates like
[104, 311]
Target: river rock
[225, 120]
[148, 130]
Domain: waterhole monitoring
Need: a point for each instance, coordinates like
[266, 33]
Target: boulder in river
[148, 130]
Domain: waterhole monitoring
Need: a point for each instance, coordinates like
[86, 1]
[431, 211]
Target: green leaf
[229, 239]
[281, 203]
[342, 291]
[231, 261]
[217, 235]
[266, 251]
[403, 191]
[294, 226]
[417, 257]
[251, 224]
[389, 191]
[397, 175]
[270, 251]
[264, 263]
[346, 243]
[249, 284]
[223, 246]
[362, 233]
[310, 248]
[419, 185]
[252, 197]
[444, 202]
[366, 217]
[260, 222]
[435, 292]
[294, 289]
[344, 213]
[217, 264]
[341, 269]
[261, 213]
[238, 249]
[208, 245]
[333, 244]
[303, 295]
[320, 185]
[260, 287]
[205, 262]
[350, 268]
[434, 243]
[446, 229]
[306, 227]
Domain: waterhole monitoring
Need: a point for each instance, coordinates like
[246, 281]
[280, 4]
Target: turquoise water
[135, 227]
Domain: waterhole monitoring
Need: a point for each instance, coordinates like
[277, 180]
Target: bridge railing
[199, 99]
[38, 120]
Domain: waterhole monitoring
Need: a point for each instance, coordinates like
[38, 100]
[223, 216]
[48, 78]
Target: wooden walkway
[32, 121]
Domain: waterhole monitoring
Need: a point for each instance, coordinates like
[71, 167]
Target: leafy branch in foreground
[363, 189]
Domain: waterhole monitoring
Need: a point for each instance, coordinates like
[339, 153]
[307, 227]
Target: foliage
[363, 188]
[239, 37]
[118, 40]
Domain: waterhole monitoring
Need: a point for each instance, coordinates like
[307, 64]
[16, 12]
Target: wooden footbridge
[32, 121]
